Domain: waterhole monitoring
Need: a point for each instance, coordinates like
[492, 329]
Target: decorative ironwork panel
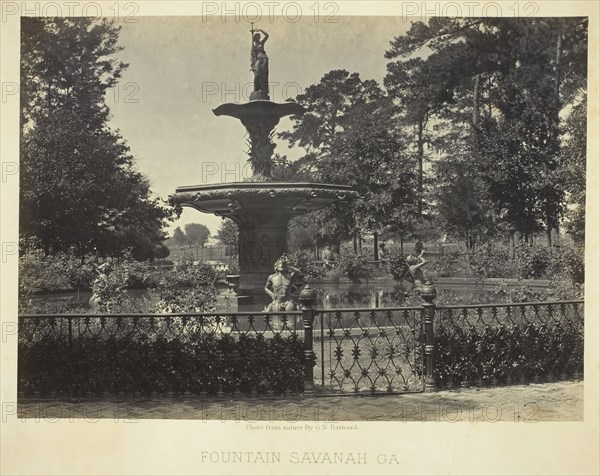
[370, 350]
[497, 344]
[151, 355]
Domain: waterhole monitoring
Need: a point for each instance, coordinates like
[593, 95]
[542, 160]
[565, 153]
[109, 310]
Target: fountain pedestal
[260, 117]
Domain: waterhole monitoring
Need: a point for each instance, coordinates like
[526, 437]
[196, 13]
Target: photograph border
[130, 446]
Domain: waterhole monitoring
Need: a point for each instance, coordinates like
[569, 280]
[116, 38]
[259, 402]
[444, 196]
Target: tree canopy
[496, 90]
[349, 138]
[79, 184]
[228, 234]
[196, 234]
[470, 132]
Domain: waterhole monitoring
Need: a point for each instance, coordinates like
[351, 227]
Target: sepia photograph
[276, 228]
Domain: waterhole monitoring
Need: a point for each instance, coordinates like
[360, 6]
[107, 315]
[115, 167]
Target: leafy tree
[574, 160]
[196, 234]
[328, 225]
[163, 251]
[506, 80]
[329, 105]
[228, 235]
[461, 207]
[348, 140]
[419, 87]
[300, 236]
[179, 238]
[371, 159]
[79, 185]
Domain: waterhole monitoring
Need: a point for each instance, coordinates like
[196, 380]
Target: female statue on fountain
[259, 64]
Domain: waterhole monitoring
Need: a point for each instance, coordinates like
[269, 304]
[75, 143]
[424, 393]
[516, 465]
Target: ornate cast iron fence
[385, 350]
[150, 355]
[397, 350]
[371, 350]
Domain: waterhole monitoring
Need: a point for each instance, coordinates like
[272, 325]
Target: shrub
[351, 266]
[188, 287]
[304, 260]
[559, 263]
[532, 261]
[233, 265]
[55, 272]
[199, 365]
[398, 267]
[108, 291]
[54, 306]
[52, 273]
[450, 264]
[489, 261]
[567, 263]
[132, 274]
[506, 354]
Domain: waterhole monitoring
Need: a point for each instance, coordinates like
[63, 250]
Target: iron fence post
[308, 297]
[428, 293]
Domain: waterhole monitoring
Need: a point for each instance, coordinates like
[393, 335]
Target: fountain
[260, 206]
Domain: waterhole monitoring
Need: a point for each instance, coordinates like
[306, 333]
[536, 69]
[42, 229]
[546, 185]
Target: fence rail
[389, 350]
[35, 327]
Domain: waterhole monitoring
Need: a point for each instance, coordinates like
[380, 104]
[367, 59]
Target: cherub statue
[415, 273]
[99, 288]
[328, 258]
[279, 286]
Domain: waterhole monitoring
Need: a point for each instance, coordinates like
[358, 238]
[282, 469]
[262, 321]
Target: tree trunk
[355, 243]
[512, 242]
[375, 246]
[551, 218]
[557, 83]
[476, 100]
[401, 245]
[420, 153]
[82, 251]
[490, 96]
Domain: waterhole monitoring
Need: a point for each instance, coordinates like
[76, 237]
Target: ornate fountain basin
[228, 199]
[262, 211]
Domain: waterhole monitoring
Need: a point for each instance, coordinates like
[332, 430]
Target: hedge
[506, 354]
[203, 365]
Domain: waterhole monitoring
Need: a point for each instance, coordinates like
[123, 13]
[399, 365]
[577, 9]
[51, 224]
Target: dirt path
[562, 401]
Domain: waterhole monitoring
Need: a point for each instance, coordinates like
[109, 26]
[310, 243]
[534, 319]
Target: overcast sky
[180, 68]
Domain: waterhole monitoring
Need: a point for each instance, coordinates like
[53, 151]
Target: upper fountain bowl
[259, 108]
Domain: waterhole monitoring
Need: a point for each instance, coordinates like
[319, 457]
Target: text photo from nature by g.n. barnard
[234, 218]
